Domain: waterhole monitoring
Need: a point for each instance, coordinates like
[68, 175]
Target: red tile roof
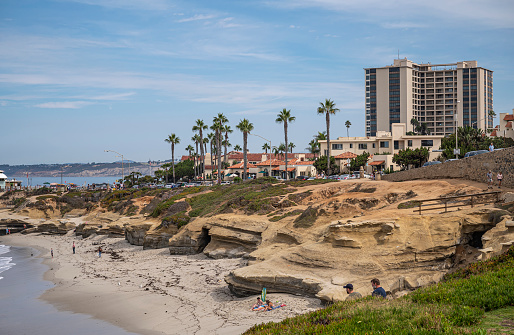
[509, 124]
[493, 133]
[377, 163]
[241, 165]
[274, 162]
[346, 155]
[509, 117]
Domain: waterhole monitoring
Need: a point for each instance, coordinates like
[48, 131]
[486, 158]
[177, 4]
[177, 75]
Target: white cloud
[227, 23]
[491, 13]
[128, 4]
[64, 104]
[197, 17]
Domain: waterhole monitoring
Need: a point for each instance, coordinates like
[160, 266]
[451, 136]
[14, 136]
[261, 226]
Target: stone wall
[472, 168]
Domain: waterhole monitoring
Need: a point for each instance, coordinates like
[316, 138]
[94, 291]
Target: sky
[78, 77]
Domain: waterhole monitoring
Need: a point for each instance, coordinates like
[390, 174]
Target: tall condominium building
[441, 95]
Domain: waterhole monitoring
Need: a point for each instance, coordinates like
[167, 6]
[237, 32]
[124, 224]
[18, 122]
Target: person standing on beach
[52, 252]
[74, 247]
[99, 252]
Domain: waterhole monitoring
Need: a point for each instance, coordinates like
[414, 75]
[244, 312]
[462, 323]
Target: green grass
[164, 205]
[256, 196]
[478, 299]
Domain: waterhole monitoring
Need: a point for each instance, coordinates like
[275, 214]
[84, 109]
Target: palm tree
[415, 124]
[245, 127]
[285, 117]
[282, 149]
[291, 146]
[265, 147]
[196, 139]
[173, 139]
[328, 108]
[276, 151]
[210, 137]
[217, 126]
[237, 147]
[491, 115]
[226, 144]
[200, 126]
[347, 124]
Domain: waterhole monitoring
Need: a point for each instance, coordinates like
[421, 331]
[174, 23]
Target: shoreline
[148, 291]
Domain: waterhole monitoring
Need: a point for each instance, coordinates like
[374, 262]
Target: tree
[360, 160]
[218, 123]
[416, 157]
[328, 108]
[347, 124]
[313, 147]
[415, 123]
[291, 146]
[198, 142]
[285, 118]
[200, 126]
[237, 147]
[266, 147]
[210, 137]
[226, 144]
[245, 127]
[491, 115]
[321, 165]
[173, 139]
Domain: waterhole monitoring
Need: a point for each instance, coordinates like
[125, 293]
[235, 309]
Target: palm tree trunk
[226, 141]
[218, 145]
[173, 160]
[245, 158]
[328, 143]
[285, 133]
[202, 156]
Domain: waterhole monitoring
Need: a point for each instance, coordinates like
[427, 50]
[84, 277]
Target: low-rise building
[505, 126]
[381, 147]
[3, 178]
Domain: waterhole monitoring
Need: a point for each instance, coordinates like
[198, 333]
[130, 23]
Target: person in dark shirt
[378, 291]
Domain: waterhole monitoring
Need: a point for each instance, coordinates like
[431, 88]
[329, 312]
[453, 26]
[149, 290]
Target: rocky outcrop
[135, 233]
[60, 227]
[158, 236]
[219, 237]
[405, 253]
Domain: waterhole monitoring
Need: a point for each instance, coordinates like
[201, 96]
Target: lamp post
[456, 132]
[122, 172]
[269, 173]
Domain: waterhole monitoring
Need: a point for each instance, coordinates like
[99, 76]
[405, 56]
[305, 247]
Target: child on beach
[258, 304]
[73, 246]
[52, 252]
[499, 176]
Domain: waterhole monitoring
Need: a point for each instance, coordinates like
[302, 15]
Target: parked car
[474, 153]
[277, 178]
[225, 182]
[191, 185]
[171, 185]
[302, 177]
[431, 163]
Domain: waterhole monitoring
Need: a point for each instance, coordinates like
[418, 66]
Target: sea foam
[5, 262]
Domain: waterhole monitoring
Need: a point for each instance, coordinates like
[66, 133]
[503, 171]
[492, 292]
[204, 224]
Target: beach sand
[149, 291]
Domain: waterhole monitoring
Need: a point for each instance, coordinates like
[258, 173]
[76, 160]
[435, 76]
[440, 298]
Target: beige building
[382, 146]
[440, 95]
[505, 128]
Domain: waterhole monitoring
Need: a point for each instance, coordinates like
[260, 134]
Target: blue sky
[81, 76]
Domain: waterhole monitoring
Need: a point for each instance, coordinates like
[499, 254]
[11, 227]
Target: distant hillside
[77, 169]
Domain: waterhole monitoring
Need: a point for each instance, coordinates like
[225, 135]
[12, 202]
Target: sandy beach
[149, 291]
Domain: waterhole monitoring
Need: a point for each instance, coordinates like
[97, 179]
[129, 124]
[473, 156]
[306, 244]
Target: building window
[363, 146]
[427, 143]
[384, 144]
[351, 145]
[409, 143]
[337, 146]
[396, 145]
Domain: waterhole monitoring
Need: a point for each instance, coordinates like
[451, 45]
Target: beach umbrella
[263, 294]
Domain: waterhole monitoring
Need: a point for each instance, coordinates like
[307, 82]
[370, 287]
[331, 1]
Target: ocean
[80, 181]
[21, 312]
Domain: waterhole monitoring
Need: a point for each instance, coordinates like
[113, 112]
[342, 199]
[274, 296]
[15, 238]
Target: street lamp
[456, 132]
[122, 172]
[269, 173]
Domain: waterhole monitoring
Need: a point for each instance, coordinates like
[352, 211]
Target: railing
[474, 199]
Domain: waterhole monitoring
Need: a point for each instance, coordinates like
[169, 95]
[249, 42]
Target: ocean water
[5, 262]
[80, 181]
[21, 310]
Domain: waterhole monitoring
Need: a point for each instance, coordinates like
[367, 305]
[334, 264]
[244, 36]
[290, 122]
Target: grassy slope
[475, 300]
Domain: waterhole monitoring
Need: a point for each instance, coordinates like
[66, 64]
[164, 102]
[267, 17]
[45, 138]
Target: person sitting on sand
[258, 304]
[269, 305]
